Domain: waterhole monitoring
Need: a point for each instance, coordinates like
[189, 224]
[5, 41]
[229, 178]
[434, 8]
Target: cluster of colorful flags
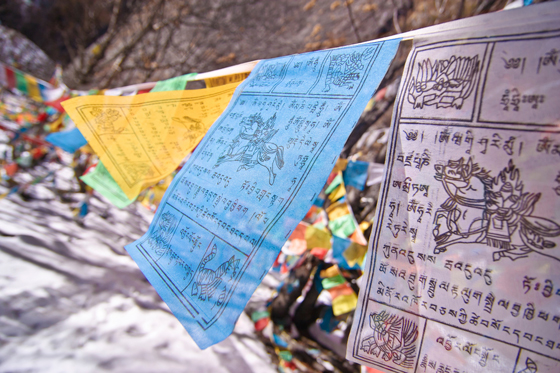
[330, 242]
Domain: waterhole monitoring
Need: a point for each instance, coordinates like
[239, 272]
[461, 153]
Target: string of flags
[11, 78]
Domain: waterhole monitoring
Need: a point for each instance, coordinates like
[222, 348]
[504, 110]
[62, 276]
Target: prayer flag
[69, 141]
[230, 209]
[141, 139]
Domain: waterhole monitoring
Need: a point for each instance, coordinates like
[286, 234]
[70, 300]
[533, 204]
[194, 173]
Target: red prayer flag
[10, 78]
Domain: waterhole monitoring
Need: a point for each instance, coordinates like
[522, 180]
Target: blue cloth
[69, 141]
[84, 209]
[319, 202]
[279, 341]
[355, 174]
[250, 181]
[328, 322]
[339, 246]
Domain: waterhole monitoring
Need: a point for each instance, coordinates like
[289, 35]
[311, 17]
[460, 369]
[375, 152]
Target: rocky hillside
[165, 38]
[109, 43]
[18, 51]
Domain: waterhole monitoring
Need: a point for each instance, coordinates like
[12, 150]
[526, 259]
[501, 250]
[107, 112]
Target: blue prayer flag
[69, 141]
[254, 176]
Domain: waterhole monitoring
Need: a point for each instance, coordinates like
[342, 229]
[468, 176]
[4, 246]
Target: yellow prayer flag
[355, 254]
[329, 272]
[316, 237]
[141, 139]
[227, 79]
[338, 193]
[344, 304]
[364, 225]
[33, 88]
[337, 210]
[340, 165]
[57, 124]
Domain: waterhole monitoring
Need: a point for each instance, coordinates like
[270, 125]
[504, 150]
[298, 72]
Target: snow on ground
[72, 300]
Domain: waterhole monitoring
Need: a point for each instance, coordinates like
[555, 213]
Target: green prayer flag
[335, 183]
[174, 84]
[257, 315]
[343, 226]
[21, 83]
[331, 282]
[285, 355]
[101, 180]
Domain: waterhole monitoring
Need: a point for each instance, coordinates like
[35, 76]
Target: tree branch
[352, 23]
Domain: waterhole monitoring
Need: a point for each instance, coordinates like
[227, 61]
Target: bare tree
[165, 38]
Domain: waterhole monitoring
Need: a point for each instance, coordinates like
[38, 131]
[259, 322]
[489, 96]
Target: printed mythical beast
[444, 83]
[491, 210]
